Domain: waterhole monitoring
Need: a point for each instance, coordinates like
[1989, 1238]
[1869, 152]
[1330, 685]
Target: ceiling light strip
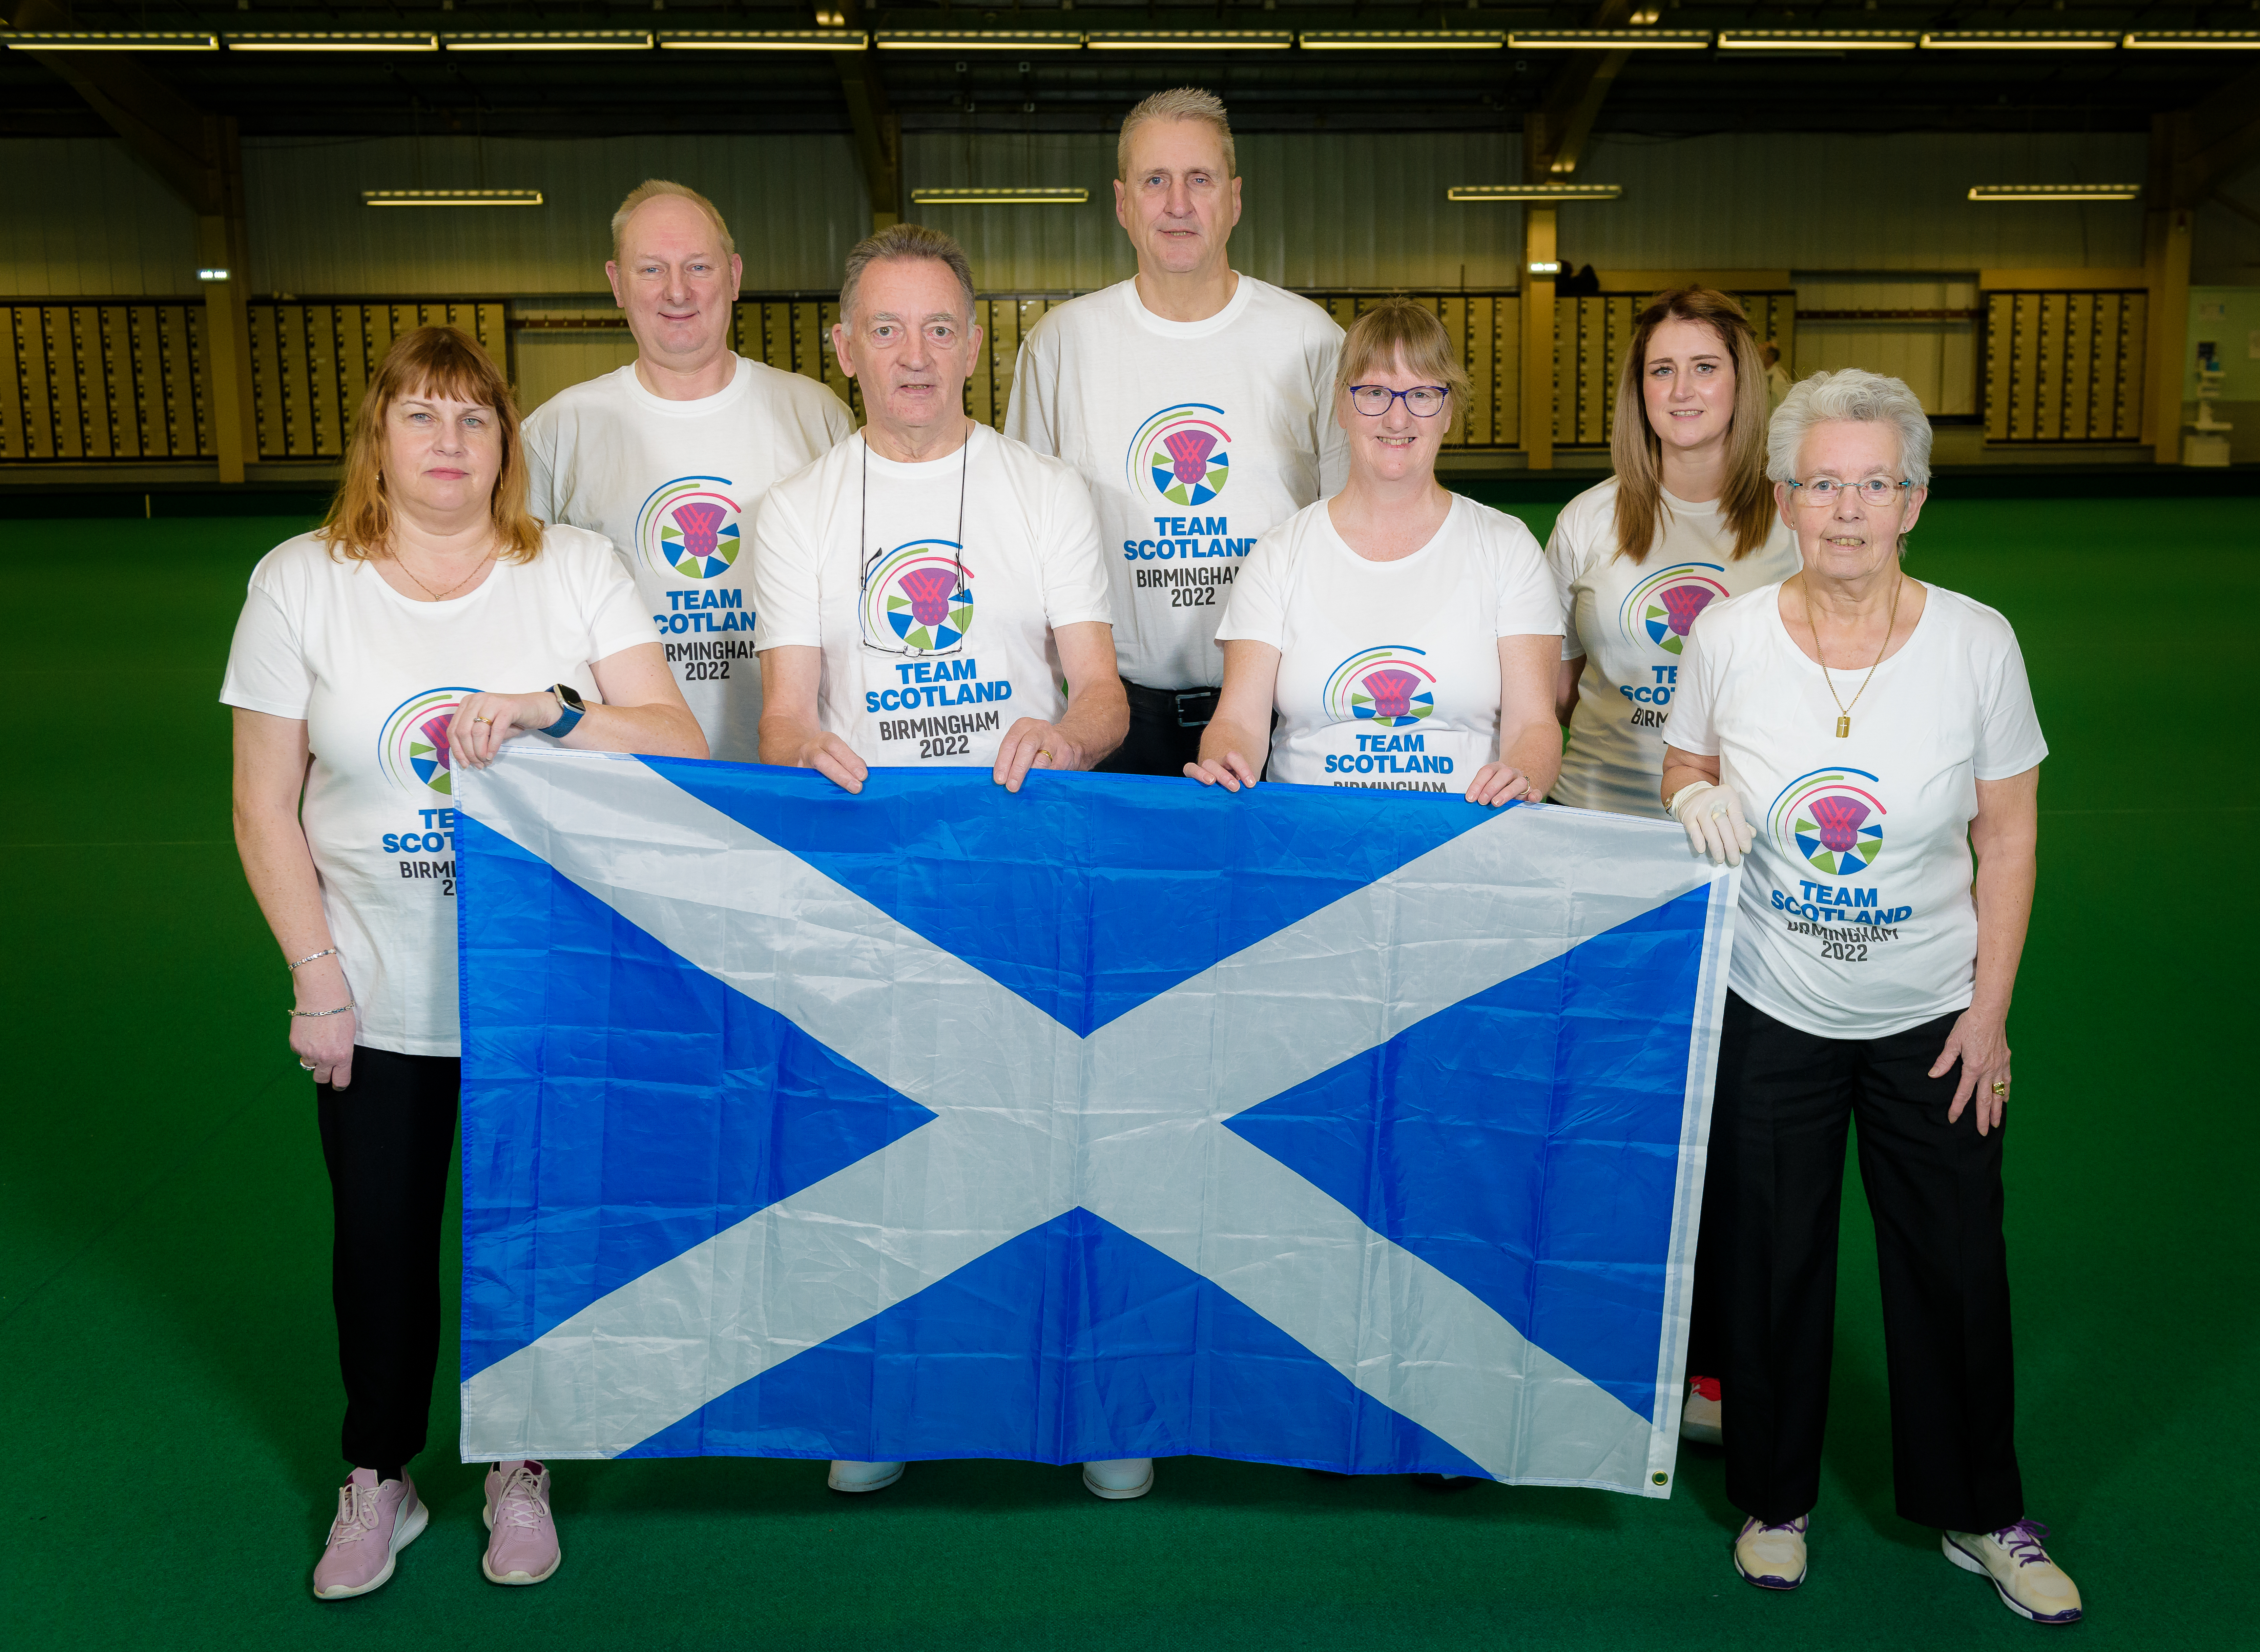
[974, 41]
[1819, 39]
[552, 40]
[450, 197]
[1465, 192]
[350, 40]
[2194, 40]
[762, 40]
[83, 40]
[2055, 191]
[970, 194]
[1403, 39]
[1610, 40]
[2020, 40]
[1190, 40]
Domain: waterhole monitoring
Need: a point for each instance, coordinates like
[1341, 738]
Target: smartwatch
[571, 709]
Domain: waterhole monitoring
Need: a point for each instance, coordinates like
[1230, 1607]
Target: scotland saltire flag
[1359, 1130]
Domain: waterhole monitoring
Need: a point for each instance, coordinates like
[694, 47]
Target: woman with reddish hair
[427, 621]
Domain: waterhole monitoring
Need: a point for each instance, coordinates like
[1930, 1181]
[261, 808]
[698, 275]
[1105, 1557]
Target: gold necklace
[401, 563]
[1844, 712]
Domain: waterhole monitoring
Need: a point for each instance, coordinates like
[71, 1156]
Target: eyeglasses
[875, 645]
[1422, 401]
[1821, 492]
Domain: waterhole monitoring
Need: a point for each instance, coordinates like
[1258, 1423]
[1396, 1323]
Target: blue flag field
[1121, 1118]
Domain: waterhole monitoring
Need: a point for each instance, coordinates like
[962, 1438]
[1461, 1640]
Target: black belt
[1187, 708]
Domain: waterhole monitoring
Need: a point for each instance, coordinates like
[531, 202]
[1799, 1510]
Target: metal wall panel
[1851, 202]
[794, 204]
[1318, 209]
[84, 219]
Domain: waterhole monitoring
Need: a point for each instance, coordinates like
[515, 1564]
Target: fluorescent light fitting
[211, 275]
[450, 197]
[974, 41]
[1534, 192]
[1610, 40]
[972, 194]
[2194, 40]
[348, 42]
[1549, 267]
[552, 40]
[1819, 39]
[1405, 41]
[2020, 40]
[2055, 191]
[764, 40]
[80, 41]
[1190, 40]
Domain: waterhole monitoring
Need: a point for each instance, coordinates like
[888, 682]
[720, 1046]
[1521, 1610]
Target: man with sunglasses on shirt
[925, 587]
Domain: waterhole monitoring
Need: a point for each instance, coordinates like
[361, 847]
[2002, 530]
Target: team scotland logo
[689, 527]
[1391, 687]
[1830, 819]
[920, 596]
[1660, 610]
[413, 749]
[1182, 454]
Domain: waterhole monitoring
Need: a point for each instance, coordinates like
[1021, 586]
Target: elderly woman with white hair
[1856, 737]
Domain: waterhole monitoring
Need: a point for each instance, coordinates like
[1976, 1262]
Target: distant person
[667, 456]
[1396, 636]
[1854, 739]
[1196, 401]
[1776, 375]
[429, 619]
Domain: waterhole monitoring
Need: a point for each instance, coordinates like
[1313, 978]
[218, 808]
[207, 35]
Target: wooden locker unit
[2064, 365]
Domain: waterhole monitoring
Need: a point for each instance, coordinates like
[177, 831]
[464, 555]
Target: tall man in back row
[1197, 404]
[667, 456]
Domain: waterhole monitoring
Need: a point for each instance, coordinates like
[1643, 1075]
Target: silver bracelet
[317, 1014]
[326, 952]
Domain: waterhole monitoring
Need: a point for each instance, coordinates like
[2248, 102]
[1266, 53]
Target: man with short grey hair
[667, 456]
[1198, 402]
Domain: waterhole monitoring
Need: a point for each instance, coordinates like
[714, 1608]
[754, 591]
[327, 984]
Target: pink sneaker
[524, 1547]
[375, 1522]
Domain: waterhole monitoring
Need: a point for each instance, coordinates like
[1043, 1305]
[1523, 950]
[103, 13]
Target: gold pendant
[1844, 728]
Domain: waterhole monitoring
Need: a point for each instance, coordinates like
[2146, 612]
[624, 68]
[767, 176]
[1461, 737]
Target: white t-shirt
[934, 642]
[375, 678]
[1196, 439]
[1856, 916]
[669, 483]
[1629, 621]
[1388, 671]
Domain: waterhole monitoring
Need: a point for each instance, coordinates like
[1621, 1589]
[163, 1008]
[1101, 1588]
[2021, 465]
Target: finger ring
[307, 1066]
[483, 719]
[1999, 1088]
[1720, 812]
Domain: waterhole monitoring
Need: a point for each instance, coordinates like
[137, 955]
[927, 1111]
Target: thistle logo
[413, 749]
[1830, 821]
[1183, 455]
[919, 595]
[689, 527]
[1662, 608]
[1389, 686]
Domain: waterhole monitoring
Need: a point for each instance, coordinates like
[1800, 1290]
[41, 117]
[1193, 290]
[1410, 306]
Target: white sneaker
[1772, 1557]
[1118, 1478]
[862, 1476]
[2029, 1584]
[1703, 1418]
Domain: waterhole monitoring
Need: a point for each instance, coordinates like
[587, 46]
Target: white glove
[1712, 815]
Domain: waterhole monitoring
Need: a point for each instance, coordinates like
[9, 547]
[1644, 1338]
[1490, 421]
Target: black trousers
[389, 1138]
[1165, 731]
[1765, 1279]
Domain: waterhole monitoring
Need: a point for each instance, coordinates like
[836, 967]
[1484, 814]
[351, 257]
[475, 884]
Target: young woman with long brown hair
[1687, 519]
[370, 666]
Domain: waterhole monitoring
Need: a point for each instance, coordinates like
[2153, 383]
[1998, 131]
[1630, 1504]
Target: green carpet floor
[166, 1361]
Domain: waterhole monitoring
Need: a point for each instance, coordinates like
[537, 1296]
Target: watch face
[571, 696]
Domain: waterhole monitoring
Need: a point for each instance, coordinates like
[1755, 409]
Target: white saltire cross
[1033, 1122]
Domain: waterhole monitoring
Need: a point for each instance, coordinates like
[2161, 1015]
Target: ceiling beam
[1555, 133]
[878, 131]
